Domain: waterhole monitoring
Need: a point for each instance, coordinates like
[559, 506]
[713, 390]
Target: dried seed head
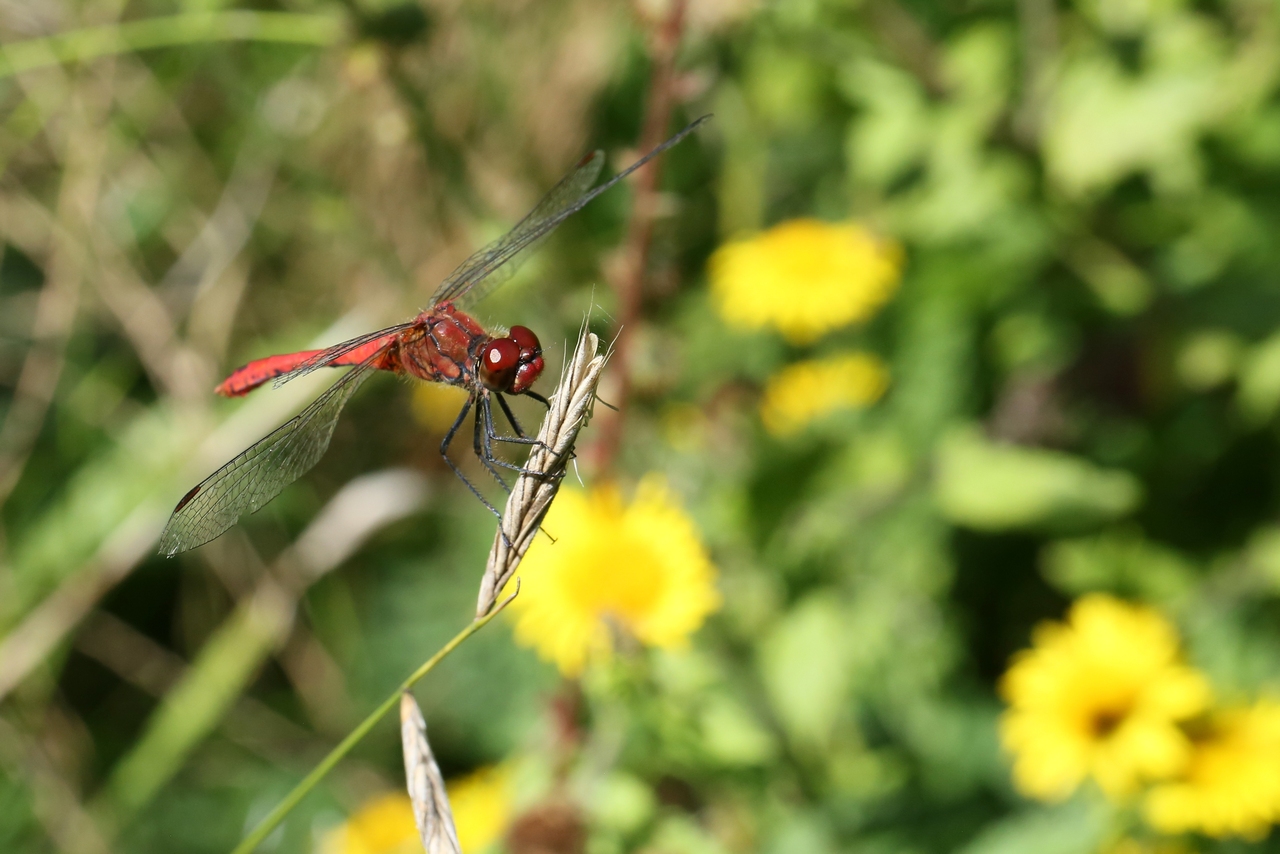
[571, 405]
[431, 809]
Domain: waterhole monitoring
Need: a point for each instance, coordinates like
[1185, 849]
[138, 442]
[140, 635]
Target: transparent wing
[487, 265]
[331, 355]
[261, 472]
[565, 199]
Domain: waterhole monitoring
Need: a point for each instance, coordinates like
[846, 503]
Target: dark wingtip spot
[186, 499]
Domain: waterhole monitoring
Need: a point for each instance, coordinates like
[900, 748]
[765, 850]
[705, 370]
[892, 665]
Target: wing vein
[262, 471]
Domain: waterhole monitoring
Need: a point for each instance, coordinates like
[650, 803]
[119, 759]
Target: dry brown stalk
[630, 283]
[571, 406]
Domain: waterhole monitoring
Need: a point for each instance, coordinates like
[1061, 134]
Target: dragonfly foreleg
[520, 438]
[492, 436]
[511, 419]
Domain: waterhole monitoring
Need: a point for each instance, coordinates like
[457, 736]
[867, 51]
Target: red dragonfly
[442, 344]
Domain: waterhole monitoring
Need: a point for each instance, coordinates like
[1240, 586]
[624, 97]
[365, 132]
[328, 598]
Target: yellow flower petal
[1231, 784]
[384, 825]
[804, 278]
[801, 393]
[640, 567]
[482, 806]
[1101, 696]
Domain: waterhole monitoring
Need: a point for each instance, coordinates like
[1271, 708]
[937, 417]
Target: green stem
[168, 31]
[300, 791]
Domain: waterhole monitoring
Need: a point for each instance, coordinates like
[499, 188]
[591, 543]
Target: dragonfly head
[511, 364]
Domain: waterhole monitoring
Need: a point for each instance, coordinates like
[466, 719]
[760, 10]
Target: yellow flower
[436, 405]
[640, 567]
[1231, 786]
[804, 277]
[482, 805]
[384, 825]
[804, 392]
[1099, 697]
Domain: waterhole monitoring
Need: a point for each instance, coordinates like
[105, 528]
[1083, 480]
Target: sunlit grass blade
[300, 791]
[168, 31]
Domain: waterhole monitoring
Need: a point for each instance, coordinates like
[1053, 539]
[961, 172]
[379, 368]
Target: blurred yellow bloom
[640, 567]
[384, 825]
[482, 806]
[436, 405]
[804, 277]
[804, 392]
[1100, 697]
[481, 803]
[1231, 787]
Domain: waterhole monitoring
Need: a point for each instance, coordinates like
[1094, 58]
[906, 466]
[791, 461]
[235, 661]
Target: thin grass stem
[300, 791]
[168, 31]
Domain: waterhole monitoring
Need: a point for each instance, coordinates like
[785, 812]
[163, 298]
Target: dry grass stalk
[531, 497]
[431, 810]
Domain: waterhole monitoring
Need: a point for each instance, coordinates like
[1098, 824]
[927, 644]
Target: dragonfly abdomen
[248, 377]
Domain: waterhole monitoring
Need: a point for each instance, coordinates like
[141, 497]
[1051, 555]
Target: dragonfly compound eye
[526, 375]
[498, 361]
[526, 341]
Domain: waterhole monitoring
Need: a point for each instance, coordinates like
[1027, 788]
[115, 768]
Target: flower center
[1104, 722]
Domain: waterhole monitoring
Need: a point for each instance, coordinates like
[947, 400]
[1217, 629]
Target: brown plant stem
[629, 285]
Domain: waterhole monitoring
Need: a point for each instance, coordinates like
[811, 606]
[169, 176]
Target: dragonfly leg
[444, 452]
[492, 436]
[538, 398]
[511, 418]
[520, 438]
[480, 440]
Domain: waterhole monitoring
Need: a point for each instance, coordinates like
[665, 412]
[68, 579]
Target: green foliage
[992, 487]
[1085, 383]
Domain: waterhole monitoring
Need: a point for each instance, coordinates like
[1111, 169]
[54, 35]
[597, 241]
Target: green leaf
[732, 735]
[1075, 827]
[1121, 561]
[993, 487]
[1104, 123]
[1258, 395]
[803, 662]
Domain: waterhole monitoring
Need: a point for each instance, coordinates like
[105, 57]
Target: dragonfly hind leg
[480, 443]
[444, 452]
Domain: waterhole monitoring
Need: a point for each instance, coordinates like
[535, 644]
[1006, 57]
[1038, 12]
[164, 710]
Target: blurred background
[940, 512]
